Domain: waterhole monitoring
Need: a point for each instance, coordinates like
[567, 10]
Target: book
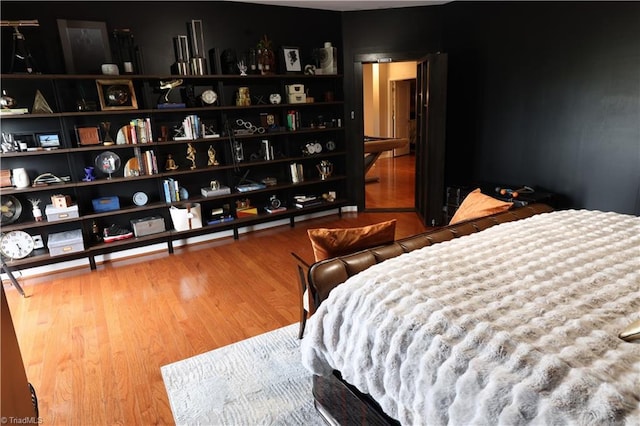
[250, 187]
[311, 203]
[14, 111]
[279, 209]
[220, 219]
[167, 191]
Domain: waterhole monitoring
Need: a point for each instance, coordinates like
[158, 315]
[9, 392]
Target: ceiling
[347, 5]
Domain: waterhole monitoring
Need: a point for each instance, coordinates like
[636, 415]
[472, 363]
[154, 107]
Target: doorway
[389, 112]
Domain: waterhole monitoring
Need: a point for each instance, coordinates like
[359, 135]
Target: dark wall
[540, 93]
[154, 24]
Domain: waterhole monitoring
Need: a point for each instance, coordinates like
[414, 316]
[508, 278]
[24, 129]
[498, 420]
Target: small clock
[16, 244]
[331, 145]
[209, 97]
[140, 198]
[275, 98]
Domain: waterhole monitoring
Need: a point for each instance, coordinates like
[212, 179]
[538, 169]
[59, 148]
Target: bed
[512, 322]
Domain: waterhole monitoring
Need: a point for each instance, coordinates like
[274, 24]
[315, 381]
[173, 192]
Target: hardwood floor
[93, 342]
[396, 186]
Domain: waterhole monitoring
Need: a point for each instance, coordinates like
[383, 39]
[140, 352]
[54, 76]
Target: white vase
[21, 178]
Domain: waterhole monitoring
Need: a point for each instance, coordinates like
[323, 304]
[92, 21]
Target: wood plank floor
[396, 186]
[93, 342]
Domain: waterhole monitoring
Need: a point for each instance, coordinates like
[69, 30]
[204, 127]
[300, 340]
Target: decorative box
[295, 89]
[60, 213]
[297, 98]
[210, 192]
[61, 201]
[106, 204]
[65, 242]
[250, 211]
[148, 226]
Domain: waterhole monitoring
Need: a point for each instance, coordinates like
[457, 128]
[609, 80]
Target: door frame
[357, 133]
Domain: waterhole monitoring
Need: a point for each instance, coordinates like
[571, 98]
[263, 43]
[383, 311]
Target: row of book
[293, 120]
[297, 172]
[192, 128]
[171, 190]
[137, 131]
[147, 162]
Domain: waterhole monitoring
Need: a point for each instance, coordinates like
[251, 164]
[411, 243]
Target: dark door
[431, 106]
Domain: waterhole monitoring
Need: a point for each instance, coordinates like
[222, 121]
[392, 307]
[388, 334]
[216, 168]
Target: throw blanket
[512, 325]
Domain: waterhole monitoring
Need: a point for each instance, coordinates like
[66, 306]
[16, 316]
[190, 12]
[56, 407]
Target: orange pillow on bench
[327, 242]
[476, 204]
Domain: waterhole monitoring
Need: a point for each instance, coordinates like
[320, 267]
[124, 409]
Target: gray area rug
[258, 381]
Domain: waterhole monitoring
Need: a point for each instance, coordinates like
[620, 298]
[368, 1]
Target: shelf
[61, 92]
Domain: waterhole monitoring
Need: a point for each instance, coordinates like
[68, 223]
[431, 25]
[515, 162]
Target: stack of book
[302, 201]
[220, 215]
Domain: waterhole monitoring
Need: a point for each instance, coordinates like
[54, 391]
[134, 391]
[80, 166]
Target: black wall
[539, 93]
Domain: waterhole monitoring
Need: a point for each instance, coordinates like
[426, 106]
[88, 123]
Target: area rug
[258, 381]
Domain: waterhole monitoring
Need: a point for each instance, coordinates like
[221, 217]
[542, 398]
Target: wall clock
[16, 244]
[140, 198]
[209, 97]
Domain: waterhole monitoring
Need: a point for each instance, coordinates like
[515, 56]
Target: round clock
[331, 145]
[275, 98]
[209, 97]
[140, 198]
[16, 244]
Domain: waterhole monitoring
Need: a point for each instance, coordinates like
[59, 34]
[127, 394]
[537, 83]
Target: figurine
[168, 86]
[212, 157]
[170, 164]
[37, 213]
[191, 155]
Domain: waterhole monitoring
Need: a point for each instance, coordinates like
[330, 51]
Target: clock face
[209, 97]
[16, 244]
[275, 98]
[140, 198]
[331, 145]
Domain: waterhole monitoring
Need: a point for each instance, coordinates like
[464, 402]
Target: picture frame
[48, 139]
[116, 94]
[88, 135]
[85, 45]
[291, 59]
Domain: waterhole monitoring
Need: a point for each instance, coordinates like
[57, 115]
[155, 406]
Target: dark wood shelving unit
[69, 159]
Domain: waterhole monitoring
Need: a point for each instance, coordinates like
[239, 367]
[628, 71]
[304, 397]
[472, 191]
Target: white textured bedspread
[516, 324]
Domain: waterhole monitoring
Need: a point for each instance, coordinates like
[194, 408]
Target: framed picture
[116, 94]
[89, 135]
[85, 46]
[48, 140]
[291, 57]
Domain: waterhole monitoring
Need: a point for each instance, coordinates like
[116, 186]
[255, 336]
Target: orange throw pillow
[476, 204]
[329, 243]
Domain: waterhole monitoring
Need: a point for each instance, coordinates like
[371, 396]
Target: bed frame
[337, 401]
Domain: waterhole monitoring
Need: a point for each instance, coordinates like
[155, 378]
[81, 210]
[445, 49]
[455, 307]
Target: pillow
[329, 243]
[476, 204]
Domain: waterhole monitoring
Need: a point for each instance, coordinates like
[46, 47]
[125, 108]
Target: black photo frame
[116, 95]
[48, 139]
[291, 59]
[85, 46]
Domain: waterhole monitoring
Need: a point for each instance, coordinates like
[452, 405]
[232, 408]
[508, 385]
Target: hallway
[396, 187]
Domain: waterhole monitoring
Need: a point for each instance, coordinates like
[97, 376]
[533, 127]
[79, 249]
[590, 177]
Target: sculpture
[212, 157]
[191, 155]
[170, 164]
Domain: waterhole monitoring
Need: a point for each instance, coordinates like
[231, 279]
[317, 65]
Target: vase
[21, 178]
